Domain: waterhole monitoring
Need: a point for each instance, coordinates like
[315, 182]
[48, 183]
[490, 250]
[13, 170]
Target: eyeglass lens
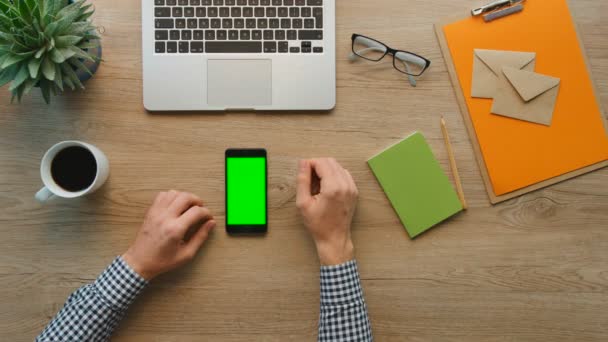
[374, 51]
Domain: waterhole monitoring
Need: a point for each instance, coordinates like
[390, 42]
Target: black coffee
[74, 168]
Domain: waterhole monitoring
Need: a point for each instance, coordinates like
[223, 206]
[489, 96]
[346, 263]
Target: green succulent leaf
[80, 66]
[67, 41]
[59, 77]
[71, 74]
[56, 56]
[34, 67]
[45, 88]
[7, 75]
[48, 69]
[11, 59]
[21, 76]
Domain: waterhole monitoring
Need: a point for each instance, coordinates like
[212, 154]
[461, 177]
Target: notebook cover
[415, 184]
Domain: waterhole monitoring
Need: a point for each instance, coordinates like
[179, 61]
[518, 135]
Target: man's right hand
[176, 226]
[327, 198]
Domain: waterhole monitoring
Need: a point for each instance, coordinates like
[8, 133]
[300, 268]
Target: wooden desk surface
[532, 269]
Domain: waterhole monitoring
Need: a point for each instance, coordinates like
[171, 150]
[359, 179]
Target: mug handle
[43, 195]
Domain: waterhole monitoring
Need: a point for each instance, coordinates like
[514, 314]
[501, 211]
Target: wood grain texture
[533, 268]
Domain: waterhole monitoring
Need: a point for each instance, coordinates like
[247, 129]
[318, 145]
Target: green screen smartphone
[246, 191]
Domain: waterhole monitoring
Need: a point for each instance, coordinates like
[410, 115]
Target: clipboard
[535, 13]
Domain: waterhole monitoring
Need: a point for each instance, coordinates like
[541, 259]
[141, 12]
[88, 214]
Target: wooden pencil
[453, 165]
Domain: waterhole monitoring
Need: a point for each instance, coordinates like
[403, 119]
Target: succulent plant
[43, 43]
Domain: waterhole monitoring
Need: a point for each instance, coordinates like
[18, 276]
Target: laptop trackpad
[239, 84]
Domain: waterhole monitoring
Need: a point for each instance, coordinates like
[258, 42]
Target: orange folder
[518, 154]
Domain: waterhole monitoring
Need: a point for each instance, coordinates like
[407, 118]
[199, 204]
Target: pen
[456, 174]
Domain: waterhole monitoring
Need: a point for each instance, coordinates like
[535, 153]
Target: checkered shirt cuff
[343, 315]
[340, 284]
[119, 285]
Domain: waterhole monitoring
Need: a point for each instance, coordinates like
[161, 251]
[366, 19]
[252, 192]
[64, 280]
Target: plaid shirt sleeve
[343, 315]
[93, 311]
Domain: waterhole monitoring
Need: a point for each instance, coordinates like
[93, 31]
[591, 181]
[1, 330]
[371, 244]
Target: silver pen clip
[494, 6]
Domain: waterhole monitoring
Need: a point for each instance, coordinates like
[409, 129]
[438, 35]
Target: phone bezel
[246, 153]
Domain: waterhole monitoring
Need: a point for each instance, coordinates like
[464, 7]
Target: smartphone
[246, 191]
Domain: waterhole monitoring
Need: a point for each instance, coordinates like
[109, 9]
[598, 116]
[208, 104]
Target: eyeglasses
[405, 62]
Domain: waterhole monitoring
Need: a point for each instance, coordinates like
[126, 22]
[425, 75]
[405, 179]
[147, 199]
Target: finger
[183, 202]
[171, 196]
[303, 188]
[341, 180]
[193, 217]
[158, 200]
[351, 182]
[322, 167]
[199, 238]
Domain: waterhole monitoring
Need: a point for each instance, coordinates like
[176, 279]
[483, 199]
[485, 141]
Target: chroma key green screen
[246, 190]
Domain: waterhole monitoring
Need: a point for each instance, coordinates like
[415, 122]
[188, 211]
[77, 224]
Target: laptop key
[230, 2]
[216, 23]
[171, 2]
[224, 12]
[172, 47]
[203, 23]
[235, 12]
[310, 35]
[206, 2]
[297, 23]
[227, 23]
[283, 47]
[160, 47]
[271, 12]
[233, 35]
[177, 12]
[288, 2]
[189, 12]
[262, 23]
[264, 2]
[186, 35]
[317, 49]
[268, 34]
[210, 35]
[270, 47]
[192, 23]
[199, 34]
[184, 47]
[283, 12]
[306, 12]
[180, 23]
[315, 3]
[159, 2]
[254, 2]
[161, 35]
[300, 2]
[212, 12]
[195, 2]
[294, 12]
[164, 23]
[292, 35]
[201, 12]
[197, 47]
[183, 2]
[279, 34]
[241, 2]
[277, 2]
[250, 23]
[245, 35]
[294, 49]
[259, 12]
[274, 23]
[233, 47]
[222, 35]
[239, 23]
[248, 12]
[162, 12]
[309, 23]
[256, 35]
[174, 35]
[285, 23]
[218, 2]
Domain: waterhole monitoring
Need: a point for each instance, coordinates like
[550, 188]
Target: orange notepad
[518, 154]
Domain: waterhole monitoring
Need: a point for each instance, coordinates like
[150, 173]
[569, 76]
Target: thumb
[304, 179]
[198, 239]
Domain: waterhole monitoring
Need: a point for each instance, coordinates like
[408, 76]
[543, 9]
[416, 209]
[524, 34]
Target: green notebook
[415, 184]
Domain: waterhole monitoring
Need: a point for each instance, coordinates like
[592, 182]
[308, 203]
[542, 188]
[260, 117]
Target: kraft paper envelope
[487, 68]
[526, 96]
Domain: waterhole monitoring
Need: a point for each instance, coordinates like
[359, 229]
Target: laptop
[220, 55]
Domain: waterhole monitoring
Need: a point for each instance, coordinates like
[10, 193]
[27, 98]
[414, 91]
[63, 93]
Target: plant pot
[84, 76]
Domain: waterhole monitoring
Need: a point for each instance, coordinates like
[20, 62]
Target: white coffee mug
[51, 188]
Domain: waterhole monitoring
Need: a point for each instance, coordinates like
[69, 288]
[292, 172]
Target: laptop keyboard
[238, 26]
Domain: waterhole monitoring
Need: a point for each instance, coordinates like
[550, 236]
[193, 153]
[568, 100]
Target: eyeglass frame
[390, 51]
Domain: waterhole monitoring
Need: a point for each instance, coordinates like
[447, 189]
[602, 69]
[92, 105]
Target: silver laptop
[239, 54]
